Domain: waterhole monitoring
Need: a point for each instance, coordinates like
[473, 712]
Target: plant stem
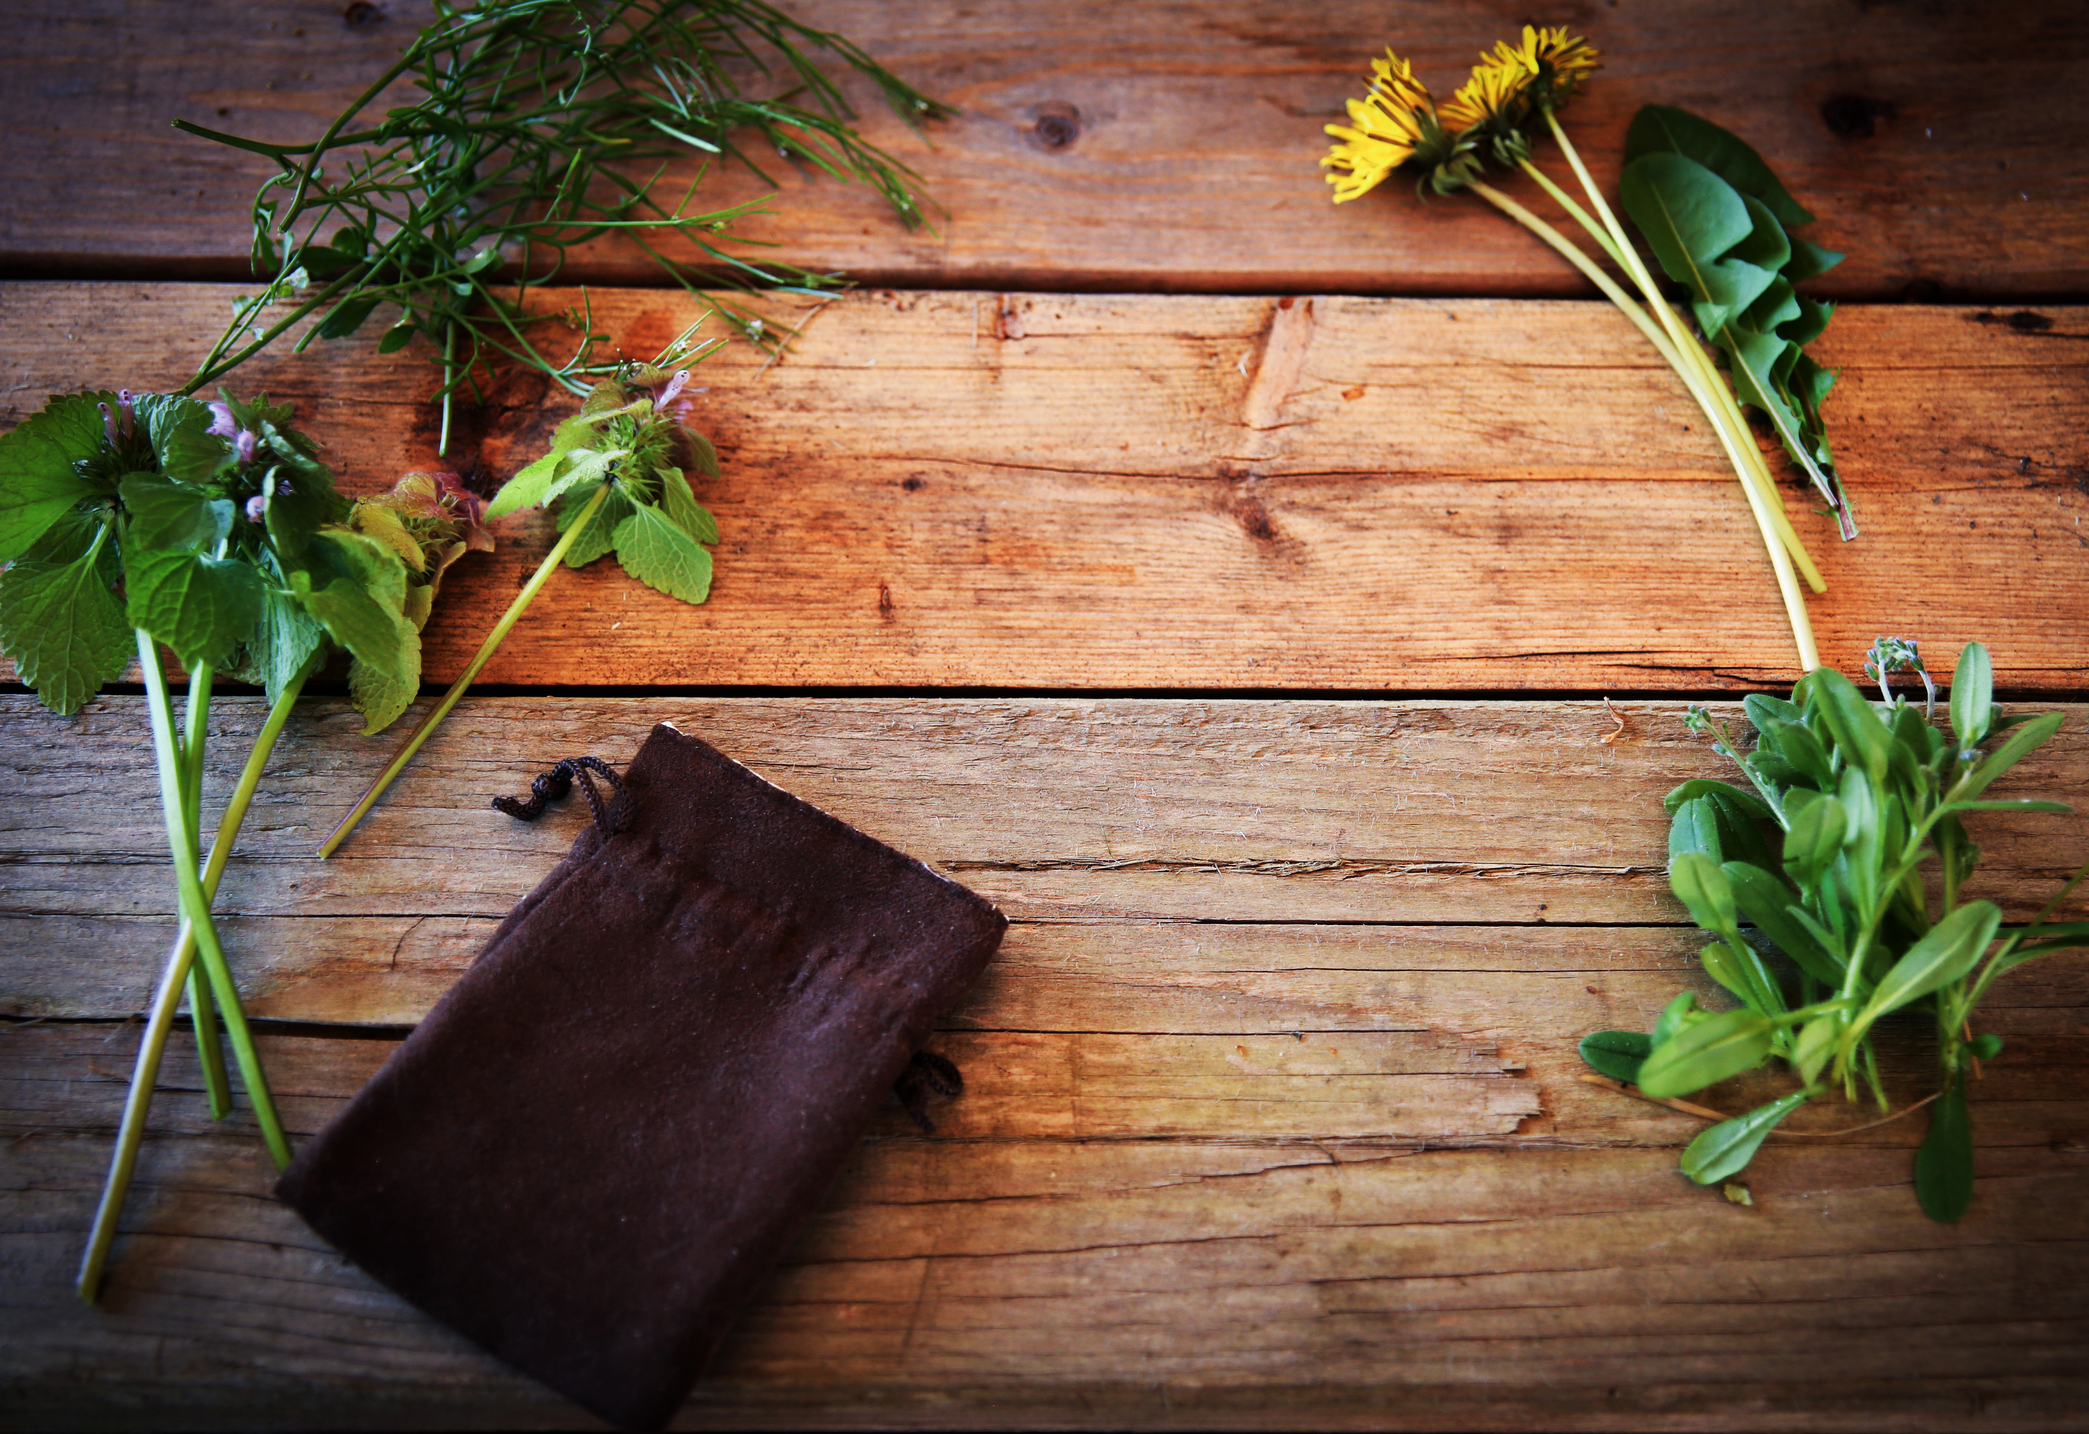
[202, 1010]
[181, 839]
[180, 963]
[471, 671]
[1707, 389]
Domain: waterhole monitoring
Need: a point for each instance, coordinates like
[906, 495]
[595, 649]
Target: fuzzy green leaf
[179, 517]
[1816, 1046]
[1658, 128]
[656, 551]
[600, 534]
[1725, 1150]
[356, 587]
[64, 628]
[37, 483]
[1858, 731]
[1765, 903]
[1616, 1054]
[1748, 802]
[1694, 828]
[1944, 1164]
[689, 515]
[200, 606]
[1706, 1053]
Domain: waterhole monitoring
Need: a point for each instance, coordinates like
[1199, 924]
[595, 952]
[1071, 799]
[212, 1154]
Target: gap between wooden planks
[1272, 1102]
[1106, 146]
[1169, 492]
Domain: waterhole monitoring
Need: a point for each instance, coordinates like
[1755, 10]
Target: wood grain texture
[938, 489]
[1273, 1113]
[1474, 825]
[1939, 144]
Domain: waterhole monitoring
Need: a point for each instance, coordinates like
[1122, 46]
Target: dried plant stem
[1705, 1112]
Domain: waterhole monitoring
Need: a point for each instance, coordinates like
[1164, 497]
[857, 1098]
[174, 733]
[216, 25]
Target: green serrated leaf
[1706, 1053]
[689, 515]
[1766, 246]
[1944, 1164]
[656, 551]
[200, 606]
[1616, 1054]
[1658, 128]
[37, 483]
[356, 587]
[177, 517]
[63, 627]
[1809, 260]
[1777, 305]
[600, 534]
[1725, 1149]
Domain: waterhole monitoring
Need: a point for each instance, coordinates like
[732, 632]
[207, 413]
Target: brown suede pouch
[599, 1141]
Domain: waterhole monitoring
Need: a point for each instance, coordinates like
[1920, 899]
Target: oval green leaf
[1725, 1150]
[1706, 1053]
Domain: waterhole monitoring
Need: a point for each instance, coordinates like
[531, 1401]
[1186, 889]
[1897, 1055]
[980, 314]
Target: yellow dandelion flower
[1498, 90]
[1553, 62]
[1386, 126]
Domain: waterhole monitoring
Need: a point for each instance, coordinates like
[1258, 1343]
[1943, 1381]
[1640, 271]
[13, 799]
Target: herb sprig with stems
[128, 522]
[1714, 216]
[1823, 855]
[543, 124]
[618, 475]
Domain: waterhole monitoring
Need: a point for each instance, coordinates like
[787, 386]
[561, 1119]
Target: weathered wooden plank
[994, 1279]
[1168, 492]
[1060, 810]
[1122, 147]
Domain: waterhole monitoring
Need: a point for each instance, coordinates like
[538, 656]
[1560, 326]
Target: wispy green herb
[543, 125]
[1822, 860]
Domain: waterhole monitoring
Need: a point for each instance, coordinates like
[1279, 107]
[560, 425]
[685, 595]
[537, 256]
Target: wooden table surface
[1222, 583]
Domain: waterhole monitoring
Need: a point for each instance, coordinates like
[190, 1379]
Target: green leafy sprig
[617, 478]
[543, 124]
[1821, 859]
[131, 522]
[1719, 222]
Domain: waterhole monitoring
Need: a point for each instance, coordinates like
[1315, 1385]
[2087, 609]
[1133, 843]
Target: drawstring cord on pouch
[556, 783]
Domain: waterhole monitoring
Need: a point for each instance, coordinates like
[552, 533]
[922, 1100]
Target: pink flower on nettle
[243, 445]
[440, 502]
[257, 508]
[222, 422]
[668, 400]
[117, 429]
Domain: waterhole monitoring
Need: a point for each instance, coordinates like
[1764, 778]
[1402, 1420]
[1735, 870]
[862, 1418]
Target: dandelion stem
[471, 671]
[180, 968]
[1725, 412]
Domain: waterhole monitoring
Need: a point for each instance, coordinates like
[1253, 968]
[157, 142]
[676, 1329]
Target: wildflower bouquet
[129, 522]
[1823, 855]
[1713, 214]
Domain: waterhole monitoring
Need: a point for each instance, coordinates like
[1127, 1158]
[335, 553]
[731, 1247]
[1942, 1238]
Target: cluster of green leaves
[537, 124]
[1720, 224]
[214, 529]
[617, 475]
[1824, 855]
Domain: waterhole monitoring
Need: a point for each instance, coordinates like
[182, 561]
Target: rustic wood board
[1273, 1116]
[1139, 492]
[1106, 146]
